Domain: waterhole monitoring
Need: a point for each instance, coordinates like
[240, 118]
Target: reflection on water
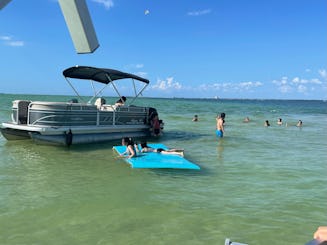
[220, 150]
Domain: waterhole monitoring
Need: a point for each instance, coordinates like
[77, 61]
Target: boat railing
[56, 114]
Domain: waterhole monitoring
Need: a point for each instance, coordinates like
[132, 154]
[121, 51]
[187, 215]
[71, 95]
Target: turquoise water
[257, 185]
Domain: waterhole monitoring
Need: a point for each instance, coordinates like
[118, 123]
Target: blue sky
[194, 49]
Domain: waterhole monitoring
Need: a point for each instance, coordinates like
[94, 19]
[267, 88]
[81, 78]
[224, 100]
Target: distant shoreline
[176, 98]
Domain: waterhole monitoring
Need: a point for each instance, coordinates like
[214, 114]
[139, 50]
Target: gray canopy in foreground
[99, 74]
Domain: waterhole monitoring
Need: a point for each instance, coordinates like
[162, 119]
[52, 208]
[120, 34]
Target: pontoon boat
[77, 122]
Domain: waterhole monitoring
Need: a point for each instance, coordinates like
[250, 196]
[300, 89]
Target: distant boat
[73, 122]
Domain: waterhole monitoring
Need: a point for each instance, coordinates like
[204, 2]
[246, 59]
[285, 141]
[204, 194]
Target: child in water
[130, 149]
[267, 124]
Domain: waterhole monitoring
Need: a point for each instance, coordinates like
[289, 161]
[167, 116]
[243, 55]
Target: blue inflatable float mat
[156, 160]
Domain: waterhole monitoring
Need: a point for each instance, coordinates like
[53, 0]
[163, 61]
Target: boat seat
[108, 108]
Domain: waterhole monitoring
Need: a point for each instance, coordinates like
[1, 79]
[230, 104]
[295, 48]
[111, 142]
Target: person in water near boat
[145, 148]
[279, 122]
[299, 123]
[130, 149]
[246, 120]
[121, 101]
[155, 125]
[267, 124]
[220, 120]
[195, 118]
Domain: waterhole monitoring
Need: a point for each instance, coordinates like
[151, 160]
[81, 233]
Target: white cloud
[230, 87]
[142, 74]
[139, 66]
[285, 87]
[5, 38]
[136, 69]
[298, 80]
[15, 43]
[106, 3]
[323, 73]
[301, 85]
[134, 66]
[168, 84]
[249, 85]
[315, 81]
[302, 89]
[9, 41]
[199, 12]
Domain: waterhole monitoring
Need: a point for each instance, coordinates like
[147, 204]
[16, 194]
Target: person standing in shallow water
[220, 120]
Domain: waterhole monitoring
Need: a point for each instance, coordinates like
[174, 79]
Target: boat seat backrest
[108, 108]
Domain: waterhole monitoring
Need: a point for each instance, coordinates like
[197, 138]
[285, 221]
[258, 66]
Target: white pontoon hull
[69, 136]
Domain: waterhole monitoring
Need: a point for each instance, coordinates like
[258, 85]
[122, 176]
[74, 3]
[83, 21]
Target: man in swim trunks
[220, 125]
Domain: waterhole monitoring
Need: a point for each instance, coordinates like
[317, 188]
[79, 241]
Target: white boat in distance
[73, 122]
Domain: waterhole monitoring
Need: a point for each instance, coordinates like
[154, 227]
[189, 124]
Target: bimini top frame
[102, 75]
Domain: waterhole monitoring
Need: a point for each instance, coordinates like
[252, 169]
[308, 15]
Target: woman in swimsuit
[146, 148]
